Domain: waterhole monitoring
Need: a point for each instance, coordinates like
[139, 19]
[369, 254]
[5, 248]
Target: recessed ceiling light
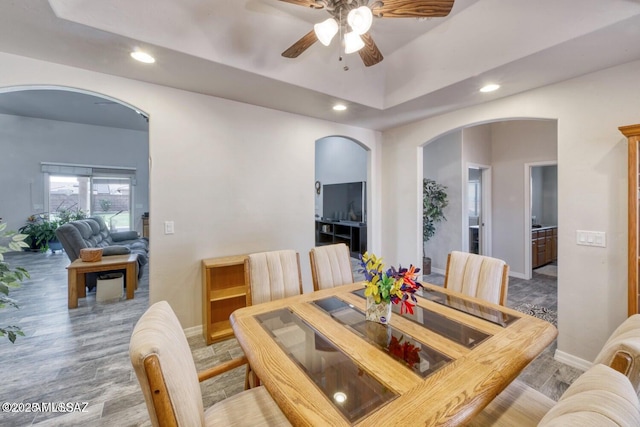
[143, 57]
[490, 88]
[339, 107]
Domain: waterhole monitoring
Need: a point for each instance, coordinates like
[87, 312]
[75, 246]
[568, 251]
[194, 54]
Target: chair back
[273, 275]
[477, 276]
[330, 266]
[163, 363]
[622, 350]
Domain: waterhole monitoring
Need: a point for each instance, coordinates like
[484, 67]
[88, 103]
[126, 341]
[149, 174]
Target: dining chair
[477, 276]
[271, 275]
[330, 266]
[163, 363]
[522, 406]
[622, 350]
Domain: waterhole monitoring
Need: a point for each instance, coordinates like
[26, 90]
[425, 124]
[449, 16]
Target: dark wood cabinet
[544, 246]
[353, 234]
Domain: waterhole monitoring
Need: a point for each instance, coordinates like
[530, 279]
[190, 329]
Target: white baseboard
[571, 360]
[517, 275]
[193, 331]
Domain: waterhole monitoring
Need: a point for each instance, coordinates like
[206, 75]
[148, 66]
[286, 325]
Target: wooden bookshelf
[224, 290]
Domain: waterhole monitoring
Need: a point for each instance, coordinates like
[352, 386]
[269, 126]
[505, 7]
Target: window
[97, 191]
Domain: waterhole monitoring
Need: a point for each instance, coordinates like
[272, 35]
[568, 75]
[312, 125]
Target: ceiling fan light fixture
[360, 19]
[325, 31]
[352, 42]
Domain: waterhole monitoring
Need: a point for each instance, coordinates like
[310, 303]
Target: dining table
[325, 365]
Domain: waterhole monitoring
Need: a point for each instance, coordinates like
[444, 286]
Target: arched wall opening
[343, 190]
[505, 146]
[72, 129]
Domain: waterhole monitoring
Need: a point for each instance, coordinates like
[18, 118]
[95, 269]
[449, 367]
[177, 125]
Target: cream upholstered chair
[600, 397]
[330, 266]
[273, 275]
[167, 374]
[477, 276]
[622, 350]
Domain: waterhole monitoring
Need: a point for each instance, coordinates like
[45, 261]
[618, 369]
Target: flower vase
[378, 312]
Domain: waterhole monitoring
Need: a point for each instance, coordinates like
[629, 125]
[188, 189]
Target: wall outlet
[591, 238]
[169, 227]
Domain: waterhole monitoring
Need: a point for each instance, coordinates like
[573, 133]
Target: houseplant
[434, 200]
[40, 231]
[10, 277]
[384, 287]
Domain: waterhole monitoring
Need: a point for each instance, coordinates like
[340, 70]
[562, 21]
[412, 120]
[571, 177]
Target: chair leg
[251, 380]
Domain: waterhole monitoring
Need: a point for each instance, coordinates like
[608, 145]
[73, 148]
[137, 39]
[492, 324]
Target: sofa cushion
[124, 235]
[115, 250]
[601, 395]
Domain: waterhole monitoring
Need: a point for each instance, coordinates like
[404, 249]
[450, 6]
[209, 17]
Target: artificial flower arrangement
[393, 285]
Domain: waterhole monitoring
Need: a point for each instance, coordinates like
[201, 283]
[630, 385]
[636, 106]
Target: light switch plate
[168, 227]
[591, 238]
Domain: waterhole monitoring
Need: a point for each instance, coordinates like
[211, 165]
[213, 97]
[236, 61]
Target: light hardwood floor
[81, 355]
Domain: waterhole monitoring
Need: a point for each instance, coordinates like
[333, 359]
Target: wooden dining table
[324, 364]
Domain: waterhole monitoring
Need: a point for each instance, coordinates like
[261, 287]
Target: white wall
[592, 181]
[26, 142]
[544, 194]
[235, 178]
[515, 143]
[338, 160]
[443, 164]
[476, 145]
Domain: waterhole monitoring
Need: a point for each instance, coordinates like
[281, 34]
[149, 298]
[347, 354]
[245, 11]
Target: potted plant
[41, 233]
[10, 277]
[434, 200]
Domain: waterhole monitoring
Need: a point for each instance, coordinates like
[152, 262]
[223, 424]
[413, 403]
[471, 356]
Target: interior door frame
[528, 273]
[484, 231]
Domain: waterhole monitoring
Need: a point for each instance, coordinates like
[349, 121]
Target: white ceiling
[231, 49]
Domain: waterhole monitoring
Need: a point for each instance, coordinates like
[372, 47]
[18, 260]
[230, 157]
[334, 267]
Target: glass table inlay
[417, 356]
[441, 325]
[477, 310]
[351, 390]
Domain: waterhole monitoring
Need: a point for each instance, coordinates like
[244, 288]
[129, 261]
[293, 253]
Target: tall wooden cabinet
[633, 135]
[224, 289]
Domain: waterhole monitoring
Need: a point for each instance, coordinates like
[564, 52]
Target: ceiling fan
[353, 18]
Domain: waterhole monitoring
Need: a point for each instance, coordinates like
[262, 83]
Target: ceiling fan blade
[370, 53]
[301, 45]
[413, 9]
[307, 3]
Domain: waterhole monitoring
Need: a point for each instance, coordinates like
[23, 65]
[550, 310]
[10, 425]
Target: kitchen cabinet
[544, 246]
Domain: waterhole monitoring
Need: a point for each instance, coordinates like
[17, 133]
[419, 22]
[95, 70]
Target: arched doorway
[342, 200]
[51, 131]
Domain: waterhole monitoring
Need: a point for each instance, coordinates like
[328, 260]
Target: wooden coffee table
[78, 268]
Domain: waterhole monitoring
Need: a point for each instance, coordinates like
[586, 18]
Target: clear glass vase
[375, 312]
